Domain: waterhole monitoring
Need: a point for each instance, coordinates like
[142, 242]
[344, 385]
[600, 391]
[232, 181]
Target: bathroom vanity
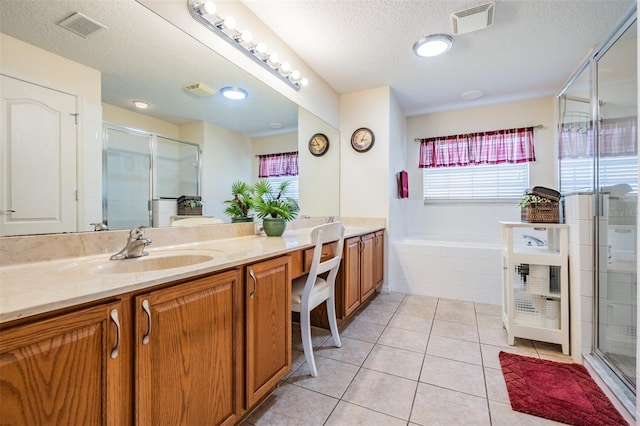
[196, 344]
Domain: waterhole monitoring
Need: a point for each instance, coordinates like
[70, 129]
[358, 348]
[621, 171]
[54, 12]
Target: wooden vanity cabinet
[268, 325]
[65, 370]
[362, 271]
[187, 352]
[378, 259]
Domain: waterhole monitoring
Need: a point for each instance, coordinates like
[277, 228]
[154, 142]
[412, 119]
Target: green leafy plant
[191, 203]
[272, 203]
[532, 199]
[241, 205]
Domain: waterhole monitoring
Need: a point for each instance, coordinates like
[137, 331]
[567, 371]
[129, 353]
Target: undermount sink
[150, 263]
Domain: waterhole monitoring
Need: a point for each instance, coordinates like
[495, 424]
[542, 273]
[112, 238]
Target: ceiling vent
[81, 25]
[473, 19]
[200, 89]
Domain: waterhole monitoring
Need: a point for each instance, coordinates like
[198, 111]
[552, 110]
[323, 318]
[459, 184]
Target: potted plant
[190, 205]
[240, 206]
[273, 207]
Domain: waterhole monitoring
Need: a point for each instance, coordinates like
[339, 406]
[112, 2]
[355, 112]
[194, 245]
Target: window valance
[494, 147]
[618, 138]
[280, 164]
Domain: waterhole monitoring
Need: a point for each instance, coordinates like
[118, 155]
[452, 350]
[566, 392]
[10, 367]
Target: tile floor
[405, 360]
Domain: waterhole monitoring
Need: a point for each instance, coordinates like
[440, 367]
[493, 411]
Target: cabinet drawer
[328, 251]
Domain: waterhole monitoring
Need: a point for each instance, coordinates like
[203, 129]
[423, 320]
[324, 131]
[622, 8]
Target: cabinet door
[378, 259]
[351, 275]
[367, 285]
[186, 360]
[66, 370]
[268, 327]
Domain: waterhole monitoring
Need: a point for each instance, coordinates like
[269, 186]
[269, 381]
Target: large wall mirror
[136, 56]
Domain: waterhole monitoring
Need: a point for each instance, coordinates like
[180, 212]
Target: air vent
[200, 89]
[81, 25]
[473, 19]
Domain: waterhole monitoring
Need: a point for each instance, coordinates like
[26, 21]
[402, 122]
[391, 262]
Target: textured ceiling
[531, 50]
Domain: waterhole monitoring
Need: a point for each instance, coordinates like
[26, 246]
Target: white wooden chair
[311, 290]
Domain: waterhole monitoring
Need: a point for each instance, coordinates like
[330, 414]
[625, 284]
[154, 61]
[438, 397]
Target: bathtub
[452, 268]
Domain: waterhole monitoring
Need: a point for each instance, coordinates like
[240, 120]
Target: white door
[37, 159]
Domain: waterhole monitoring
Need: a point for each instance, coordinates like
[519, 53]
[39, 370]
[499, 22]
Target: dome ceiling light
[433, 45]
[234, 93]
[140, 104]
[471, 94]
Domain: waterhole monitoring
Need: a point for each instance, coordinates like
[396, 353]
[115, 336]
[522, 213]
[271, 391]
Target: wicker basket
[541, 213]
[189, 211]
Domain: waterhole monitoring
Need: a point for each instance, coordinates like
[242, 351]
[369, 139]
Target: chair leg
[305, 332]
[333, 322]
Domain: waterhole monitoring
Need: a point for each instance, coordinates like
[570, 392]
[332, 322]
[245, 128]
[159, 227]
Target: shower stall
[141, 169]
[598, 154]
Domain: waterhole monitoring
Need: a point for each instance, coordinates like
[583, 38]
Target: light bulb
[229, 22]
[295, 75]
[246, 36]
[285, 67]
[261, 47]
[208, 8]
[273, 58]
[304, 82]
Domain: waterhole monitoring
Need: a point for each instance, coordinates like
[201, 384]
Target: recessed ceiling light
[140, 104]
[433, 45]
[471, 94]
[234, 93]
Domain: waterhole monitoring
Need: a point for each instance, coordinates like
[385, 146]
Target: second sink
[150, 263]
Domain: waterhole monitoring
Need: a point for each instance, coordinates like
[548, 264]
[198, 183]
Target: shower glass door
[616, 185]
[127, 178]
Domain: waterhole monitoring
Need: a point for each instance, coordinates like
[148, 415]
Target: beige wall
[502, 116]
[364, 177]
[136, 120]
[23, 60]
[319, 177]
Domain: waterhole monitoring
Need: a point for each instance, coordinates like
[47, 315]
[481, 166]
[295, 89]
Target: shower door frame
[598, 199]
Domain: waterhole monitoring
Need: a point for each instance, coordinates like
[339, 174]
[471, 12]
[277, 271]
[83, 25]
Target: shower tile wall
[579, 217]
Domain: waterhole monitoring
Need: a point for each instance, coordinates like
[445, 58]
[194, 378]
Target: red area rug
[556, 391]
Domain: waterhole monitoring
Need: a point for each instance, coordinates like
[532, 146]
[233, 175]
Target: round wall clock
[318, 144]
[362, 139]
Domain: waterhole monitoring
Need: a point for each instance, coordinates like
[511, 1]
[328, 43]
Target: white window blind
[476, 183]
[292, 190]
[577, 173]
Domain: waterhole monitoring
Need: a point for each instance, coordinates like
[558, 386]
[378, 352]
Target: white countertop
[39, 287]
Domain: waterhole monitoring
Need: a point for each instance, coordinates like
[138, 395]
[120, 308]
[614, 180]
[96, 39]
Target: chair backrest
[323, 234]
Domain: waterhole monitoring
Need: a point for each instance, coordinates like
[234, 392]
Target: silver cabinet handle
[114, 318]
[255, 284]
[145, 308]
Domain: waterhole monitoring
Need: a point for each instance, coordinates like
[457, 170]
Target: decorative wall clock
[362, 139]
[319, 144]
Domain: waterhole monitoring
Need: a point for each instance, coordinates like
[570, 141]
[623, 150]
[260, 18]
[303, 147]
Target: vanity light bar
[204, 12]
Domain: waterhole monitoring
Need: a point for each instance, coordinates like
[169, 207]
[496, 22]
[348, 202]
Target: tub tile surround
[46, 272]
[454, 270]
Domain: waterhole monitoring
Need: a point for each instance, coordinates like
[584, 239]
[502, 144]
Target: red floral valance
[281, 164]
[494, 147]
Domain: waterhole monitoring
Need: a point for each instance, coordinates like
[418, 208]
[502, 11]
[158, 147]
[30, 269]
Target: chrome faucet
[135, 245]
[100, 227]
[531, 238]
